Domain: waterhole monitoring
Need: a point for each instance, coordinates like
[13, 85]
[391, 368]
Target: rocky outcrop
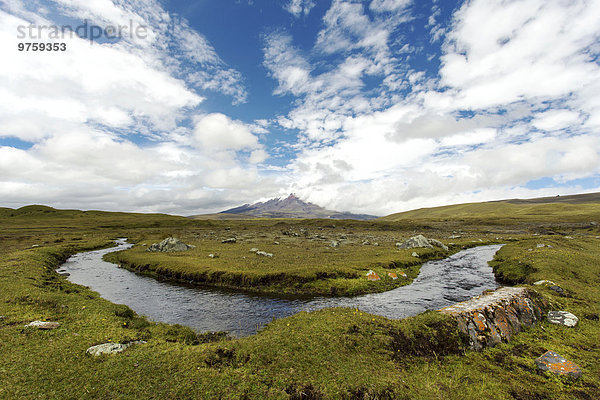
[421, 241]
[169, 244]
[496, 316]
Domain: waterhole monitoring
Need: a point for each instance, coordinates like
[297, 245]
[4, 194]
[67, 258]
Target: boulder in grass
[264, 253]
[558, 365]
[544, 282]
[421, 241]
[563, 318]
[372, 276]
[168, 245]
[110, 348]
[45, 325]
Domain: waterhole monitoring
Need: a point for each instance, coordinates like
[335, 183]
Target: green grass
[503, 213]
[331, 353]
[300, 265]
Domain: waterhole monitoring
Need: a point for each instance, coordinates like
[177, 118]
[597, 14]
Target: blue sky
[367, 106]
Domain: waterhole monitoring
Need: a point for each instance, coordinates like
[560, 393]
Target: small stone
[562, 318]
[414, 254]
[275, 242]
[372, 276]
[335, 243]
[253, 250]
[168, 245]
[558, 365]
[106, 348]
[46, 325]
[540, 245]
[211, 255]
[544, 282]
[230, 240]
[110, 348]
[421, 241]
[33, 246]
[393, 275]
[366, 243]
[264, 253]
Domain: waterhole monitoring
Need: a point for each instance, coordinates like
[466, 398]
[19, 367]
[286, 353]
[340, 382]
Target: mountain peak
[291, 207]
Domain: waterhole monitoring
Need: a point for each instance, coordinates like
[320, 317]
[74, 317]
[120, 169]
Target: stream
[439, 284]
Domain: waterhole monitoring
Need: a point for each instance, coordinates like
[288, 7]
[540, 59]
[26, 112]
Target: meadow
[331, 353]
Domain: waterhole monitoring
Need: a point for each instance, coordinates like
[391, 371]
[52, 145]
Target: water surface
[439, 284]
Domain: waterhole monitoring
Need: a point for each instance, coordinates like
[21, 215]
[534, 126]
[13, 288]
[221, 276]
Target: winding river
[439, 284]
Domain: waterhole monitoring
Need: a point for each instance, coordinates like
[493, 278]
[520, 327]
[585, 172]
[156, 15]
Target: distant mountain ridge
[292, 207]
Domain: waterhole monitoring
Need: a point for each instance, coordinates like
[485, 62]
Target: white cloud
[388, 5]
[299, 7]
[555, 120]
[531, 50]
[218, 132]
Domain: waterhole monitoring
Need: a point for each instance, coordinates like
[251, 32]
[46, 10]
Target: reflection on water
[439, 284]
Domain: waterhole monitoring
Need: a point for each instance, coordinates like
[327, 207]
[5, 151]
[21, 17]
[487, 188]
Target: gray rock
[46, 325]
[264, 253]
[275, 242]
[211, 255]
[540, 245]
[557, 364]
[421, 241]
[253, 250]
[230, 240]
[562, 318]
[106, 348]
[335, 243]
[414, 254]
[110, 348]
[544, 282]
[169, 244]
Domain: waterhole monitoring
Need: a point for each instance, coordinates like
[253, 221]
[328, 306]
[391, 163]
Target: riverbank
[298, 267]
[440, 284]
[330, 354]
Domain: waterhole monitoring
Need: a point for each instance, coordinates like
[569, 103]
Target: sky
[380, 106]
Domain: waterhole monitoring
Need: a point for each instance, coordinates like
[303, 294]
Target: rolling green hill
[576, 208]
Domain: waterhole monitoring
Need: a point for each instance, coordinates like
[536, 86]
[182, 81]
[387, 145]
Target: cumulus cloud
[217, 131]
[299, 7]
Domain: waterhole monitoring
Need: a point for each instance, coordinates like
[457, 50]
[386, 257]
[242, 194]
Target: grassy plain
[304, 262]
[331, 353]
